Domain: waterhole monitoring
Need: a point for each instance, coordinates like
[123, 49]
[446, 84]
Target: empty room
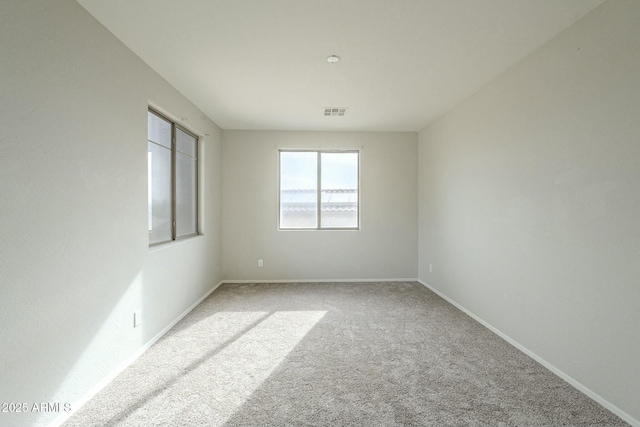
[393, 213]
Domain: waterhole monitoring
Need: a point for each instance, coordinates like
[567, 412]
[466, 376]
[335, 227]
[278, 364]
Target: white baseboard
[588, 392]
[105, 381]
[320, 280]
[94, 390]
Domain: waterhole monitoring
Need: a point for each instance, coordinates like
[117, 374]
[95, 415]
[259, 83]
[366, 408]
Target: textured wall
[384, 247]
[74, 260]
[530, 208]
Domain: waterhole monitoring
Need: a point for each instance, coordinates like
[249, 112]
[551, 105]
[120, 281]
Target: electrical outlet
[260, 263]
[137, 318]
[430, 268]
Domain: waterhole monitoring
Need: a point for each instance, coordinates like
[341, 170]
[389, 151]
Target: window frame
[173, 176]
[318, 190]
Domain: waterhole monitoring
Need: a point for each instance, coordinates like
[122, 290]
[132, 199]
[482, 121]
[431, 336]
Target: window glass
[298, 189]
[186, 144]
[339, 201]
[173, 181]
[159, 130]
[318, 190]
[159, 159]
[186, 195]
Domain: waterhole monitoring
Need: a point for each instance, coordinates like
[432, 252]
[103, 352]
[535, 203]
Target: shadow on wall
[107, 328]
[56, 352]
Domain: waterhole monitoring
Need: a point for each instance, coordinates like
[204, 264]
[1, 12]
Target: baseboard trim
[576, 384]
[105, 381]
[588, 392]
[320, 280]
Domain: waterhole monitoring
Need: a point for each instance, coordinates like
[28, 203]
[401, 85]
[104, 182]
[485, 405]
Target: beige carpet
[335, 354]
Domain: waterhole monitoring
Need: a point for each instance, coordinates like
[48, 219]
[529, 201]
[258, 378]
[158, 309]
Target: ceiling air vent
[335, 111]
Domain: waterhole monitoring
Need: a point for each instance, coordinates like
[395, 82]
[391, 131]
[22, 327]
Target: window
[172, 180]
[318, 190]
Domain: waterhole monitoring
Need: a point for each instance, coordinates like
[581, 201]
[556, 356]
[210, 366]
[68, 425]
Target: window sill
[318, 229]
[166, 245]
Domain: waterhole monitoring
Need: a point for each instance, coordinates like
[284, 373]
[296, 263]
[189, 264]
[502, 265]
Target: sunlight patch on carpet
[242, 351]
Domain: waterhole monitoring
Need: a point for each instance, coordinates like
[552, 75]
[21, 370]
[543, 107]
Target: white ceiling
[261, 64]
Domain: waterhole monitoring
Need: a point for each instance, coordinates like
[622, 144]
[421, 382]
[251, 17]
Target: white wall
[529, 204]
[384, 247]
[74, 259]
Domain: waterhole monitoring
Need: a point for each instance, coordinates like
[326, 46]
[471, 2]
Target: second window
[319, 189]
[172, 180]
